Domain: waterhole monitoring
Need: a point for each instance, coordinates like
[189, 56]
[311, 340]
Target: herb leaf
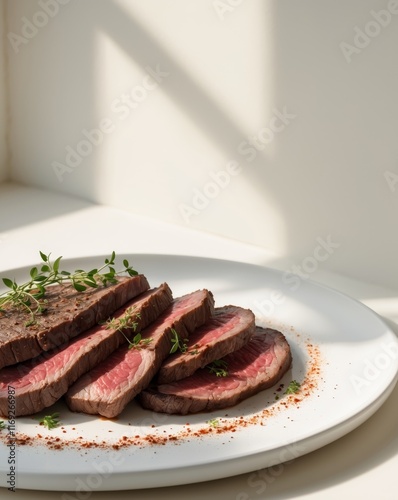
[177, 344]
[293, 387]
[8, 283]
[43, 256]
[218, 367]
[50, 421]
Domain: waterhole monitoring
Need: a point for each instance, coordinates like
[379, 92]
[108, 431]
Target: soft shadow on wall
[312, 159]
[164, 152]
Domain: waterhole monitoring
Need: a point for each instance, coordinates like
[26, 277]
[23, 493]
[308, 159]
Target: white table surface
[361, 465]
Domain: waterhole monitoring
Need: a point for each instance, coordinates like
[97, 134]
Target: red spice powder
[221, 426]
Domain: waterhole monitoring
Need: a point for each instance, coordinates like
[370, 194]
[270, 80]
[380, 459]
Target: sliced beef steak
[40, 382]
[228, 330]
[256, 366]
[111, 385]
[68, 314]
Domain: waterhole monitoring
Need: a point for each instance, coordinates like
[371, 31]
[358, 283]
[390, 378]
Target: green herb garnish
[50, 421]
[218, 367]
[213, 422]
[2, 425]
[293, 387]
[128, 322]
[138, 342]
[30, 295]
[177, 344]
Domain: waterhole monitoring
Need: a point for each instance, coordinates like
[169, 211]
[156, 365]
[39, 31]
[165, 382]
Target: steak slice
[68, 314]
[111, 385]
[38, 383]
[227, 331]
[256, 366]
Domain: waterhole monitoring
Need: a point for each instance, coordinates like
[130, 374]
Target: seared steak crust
[40, 382]
[68, 314]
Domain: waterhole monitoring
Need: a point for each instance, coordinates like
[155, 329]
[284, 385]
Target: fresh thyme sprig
[50, 421]
[128, 322]
[138, 342]
[293, 387]
[194, 350]
[177, 344]
[30, 296]
[218, 367]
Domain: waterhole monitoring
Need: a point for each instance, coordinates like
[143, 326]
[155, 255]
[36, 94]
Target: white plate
[343, 354]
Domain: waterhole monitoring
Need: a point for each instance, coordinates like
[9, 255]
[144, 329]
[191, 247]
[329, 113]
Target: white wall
[3, 99]
[226, 71]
